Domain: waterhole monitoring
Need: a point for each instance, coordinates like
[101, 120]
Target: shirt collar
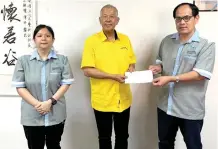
[195, 37]
[35, 55]
[103, 36]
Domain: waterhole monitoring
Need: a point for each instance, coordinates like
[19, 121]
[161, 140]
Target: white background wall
[146, 23]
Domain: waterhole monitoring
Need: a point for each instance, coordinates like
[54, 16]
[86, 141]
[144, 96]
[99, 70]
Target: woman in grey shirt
[41, 79]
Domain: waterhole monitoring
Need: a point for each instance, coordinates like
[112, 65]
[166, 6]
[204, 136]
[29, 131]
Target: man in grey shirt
[185, 62]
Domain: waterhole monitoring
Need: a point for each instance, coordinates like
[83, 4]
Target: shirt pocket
[187, 64]
[124, 51]
[123, 57]
[55, 70]
[55, 75]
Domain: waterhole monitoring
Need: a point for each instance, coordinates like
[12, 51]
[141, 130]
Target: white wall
[146, 22]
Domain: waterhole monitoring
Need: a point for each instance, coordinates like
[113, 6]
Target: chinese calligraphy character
[9, 37]
[25, 29]
[29, 6]
[12, 61]
[24, 10]
[29, 24]
[10, 11]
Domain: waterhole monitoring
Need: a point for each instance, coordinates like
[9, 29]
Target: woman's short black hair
[41, 26]
[194, 8]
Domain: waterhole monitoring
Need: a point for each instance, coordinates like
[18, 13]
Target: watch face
[54, 101]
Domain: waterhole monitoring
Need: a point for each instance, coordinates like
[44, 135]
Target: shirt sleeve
[159, 56]
[131, 54]
[18, 79]
[205, 61]
[88, 56]
[66, 75]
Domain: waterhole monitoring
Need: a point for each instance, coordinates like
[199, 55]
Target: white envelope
[139, 77]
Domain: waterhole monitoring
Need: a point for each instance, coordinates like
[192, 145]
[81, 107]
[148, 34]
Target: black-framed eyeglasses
[185, 18]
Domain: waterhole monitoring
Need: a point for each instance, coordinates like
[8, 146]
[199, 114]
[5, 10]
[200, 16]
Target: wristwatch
[53, 101]
[177, 79]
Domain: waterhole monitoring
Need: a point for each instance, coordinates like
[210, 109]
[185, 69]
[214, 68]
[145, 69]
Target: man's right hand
[119, 78]
[155, 69]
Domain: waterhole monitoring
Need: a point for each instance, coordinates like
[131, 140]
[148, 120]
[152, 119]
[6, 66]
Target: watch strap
[53, 101]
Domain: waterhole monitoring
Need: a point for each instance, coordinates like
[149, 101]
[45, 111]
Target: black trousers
[168, 127]
[38, 136]
[105, 122]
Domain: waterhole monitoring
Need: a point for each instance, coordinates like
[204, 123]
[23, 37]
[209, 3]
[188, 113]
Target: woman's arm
[61, 91]
[25, 94]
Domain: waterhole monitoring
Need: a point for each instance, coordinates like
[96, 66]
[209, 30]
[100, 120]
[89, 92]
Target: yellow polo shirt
[114, 58]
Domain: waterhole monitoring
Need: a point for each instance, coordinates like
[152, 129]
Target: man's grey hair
[109, 6]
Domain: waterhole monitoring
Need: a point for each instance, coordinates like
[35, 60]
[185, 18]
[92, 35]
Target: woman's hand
[44, 107]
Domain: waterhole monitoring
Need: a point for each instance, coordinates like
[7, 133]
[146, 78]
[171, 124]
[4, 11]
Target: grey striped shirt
[42, 79]
[185, 99]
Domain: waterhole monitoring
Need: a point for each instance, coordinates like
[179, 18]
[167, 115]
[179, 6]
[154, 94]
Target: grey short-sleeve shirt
[42, 79]
[185, 99]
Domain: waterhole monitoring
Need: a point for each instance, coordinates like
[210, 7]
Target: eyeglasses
[185, 18]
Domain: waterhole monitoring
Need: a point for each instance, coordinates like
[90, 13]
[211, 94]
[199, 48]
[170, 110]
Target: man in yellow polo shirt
[106, 57]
